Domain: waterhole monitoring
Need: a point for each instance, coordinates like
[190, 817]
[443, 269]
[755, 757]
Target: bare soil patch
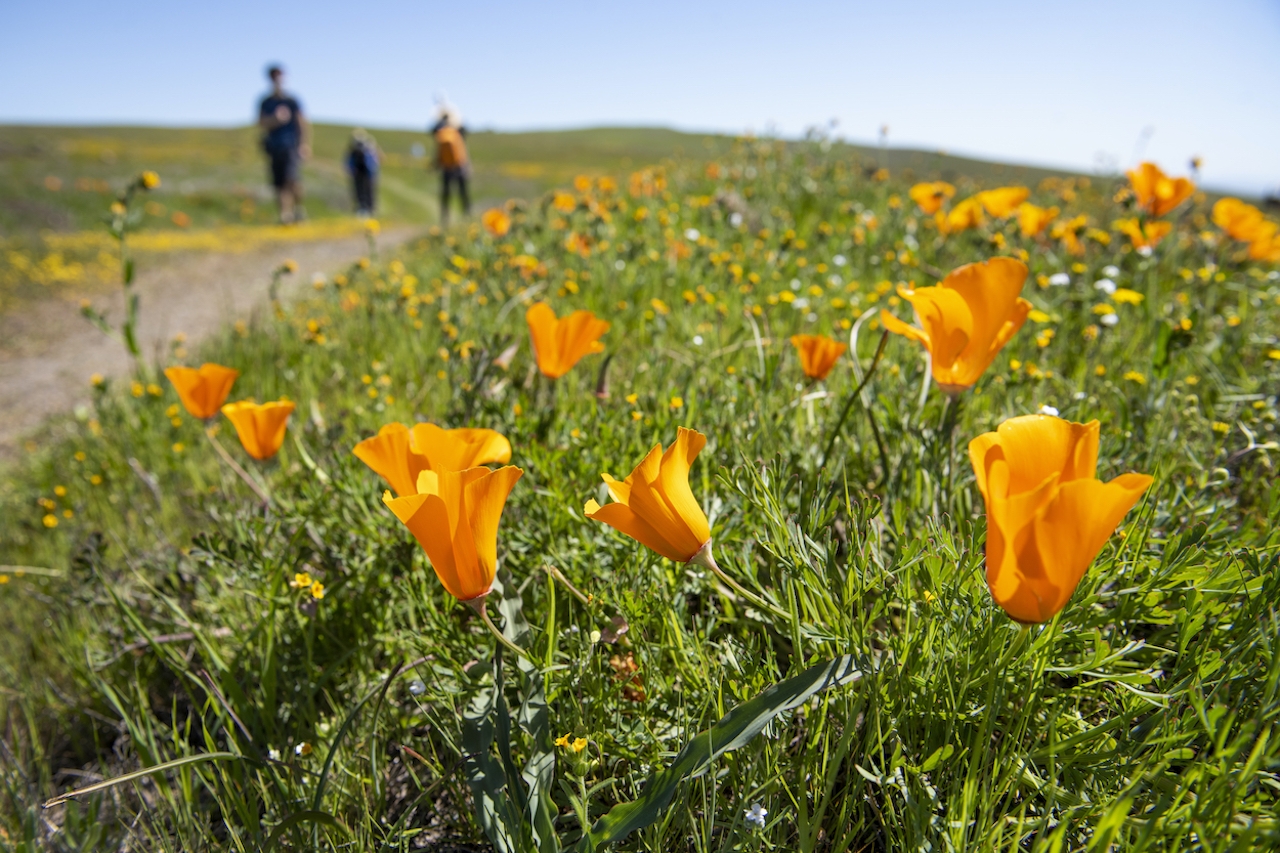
[48, 351]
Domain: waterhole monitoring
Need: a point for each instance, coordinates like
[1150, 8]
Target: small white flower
[697, 340]
[795, 284]
[1109, 319]
[1111, 270]
[318, 278]
[811, 318]
[273, 754]
[1273, 275]
[1106, 285]
[1058, 279]
[1080, 395]
[756, 815]
[529, 248]
[839, 260]
[303, 748]
[735, 219]
[1049, 410]
[1145, 251]
[416, 687]
[835, 281]
[619, 265]
[692, 234]
[800, 304]
[911, 242]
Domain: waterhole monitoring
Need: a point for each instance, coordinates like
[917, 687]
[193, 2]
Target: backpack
[451, 152]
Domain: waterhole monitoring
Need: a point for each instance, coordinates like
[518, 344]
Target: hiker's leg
[462, 192]
[445, 180]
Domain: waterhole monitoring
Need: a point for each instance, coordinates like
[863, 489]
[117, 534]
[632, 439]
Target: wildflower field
[934, 516]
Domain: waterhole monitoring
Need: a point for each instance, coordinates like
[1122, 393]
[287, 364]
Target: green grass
[1142, 718]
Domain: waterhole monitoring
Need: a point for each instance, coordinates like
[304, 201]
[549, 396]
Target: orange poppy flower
[930, 196]
[559, 344]
[261, 427]
[655, 505]
[1143, 235]
[967, 214]
[1048, 515]
[1156, 192]
[1032, 220]
[454, 516]
[202, 391]
[1266, 248]
[966, 320]
[399, 454]
[1003, 202]
[496, 221]
[1068, 232]
[1241, 221]
[818, 354]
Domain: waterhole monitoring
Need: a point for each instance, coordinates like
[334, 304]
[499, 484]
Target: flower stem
[477, 604]
[249, 481]
[703, 558]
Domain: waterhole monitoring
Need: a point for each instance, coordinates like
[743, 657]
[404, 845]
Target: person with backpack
[362, 164]
[286, 140]
[451, 158]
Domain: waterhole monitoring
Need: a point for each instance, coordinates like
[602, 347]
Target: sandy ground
[48, 350]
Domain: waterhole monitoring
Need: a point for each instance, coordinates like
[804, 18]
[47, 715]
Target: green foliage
[157, 622]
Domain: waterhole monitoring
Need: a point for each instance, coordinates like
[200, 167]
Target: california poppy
[454, 516]
[1241, 221]
[559, 344]
[1048, 515]
[1143, 235]
[967, 214]
[261, 427]
[1068, 232]
[930, 196]
[1003, 202]
[204, 390]
[1032, 220]
[967, 319]
[496, 221]
[399, 454]
[1156, 192]
[1266, 248]
[655, 505]
[818, 354]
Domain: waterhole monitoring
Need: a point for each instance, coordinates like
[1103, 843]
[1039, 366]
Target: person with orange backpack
[451, 158]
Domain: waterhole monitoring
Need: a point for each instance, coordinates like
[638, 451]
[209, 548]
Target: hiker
[451, 158]
[286, 139]
[362, 163]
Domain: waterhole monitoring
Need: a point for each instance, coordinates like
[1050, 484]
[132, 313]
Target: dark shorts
[284, 167]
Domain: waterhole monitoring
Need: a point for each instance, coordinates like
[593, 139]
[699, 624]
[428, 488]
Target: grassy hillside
[167, 608]
[56, 183]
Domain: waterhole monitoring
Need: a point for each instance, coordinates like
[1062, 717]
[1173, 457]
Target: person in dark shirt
[362, 163]
[286, 139]
[451, 157]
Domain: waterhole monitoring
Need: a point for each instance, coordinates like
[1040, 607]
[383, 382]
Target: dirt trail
[48, 351]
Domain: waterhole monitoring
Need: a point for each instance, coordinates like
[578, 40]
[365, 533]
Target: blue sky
[1072, 84]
